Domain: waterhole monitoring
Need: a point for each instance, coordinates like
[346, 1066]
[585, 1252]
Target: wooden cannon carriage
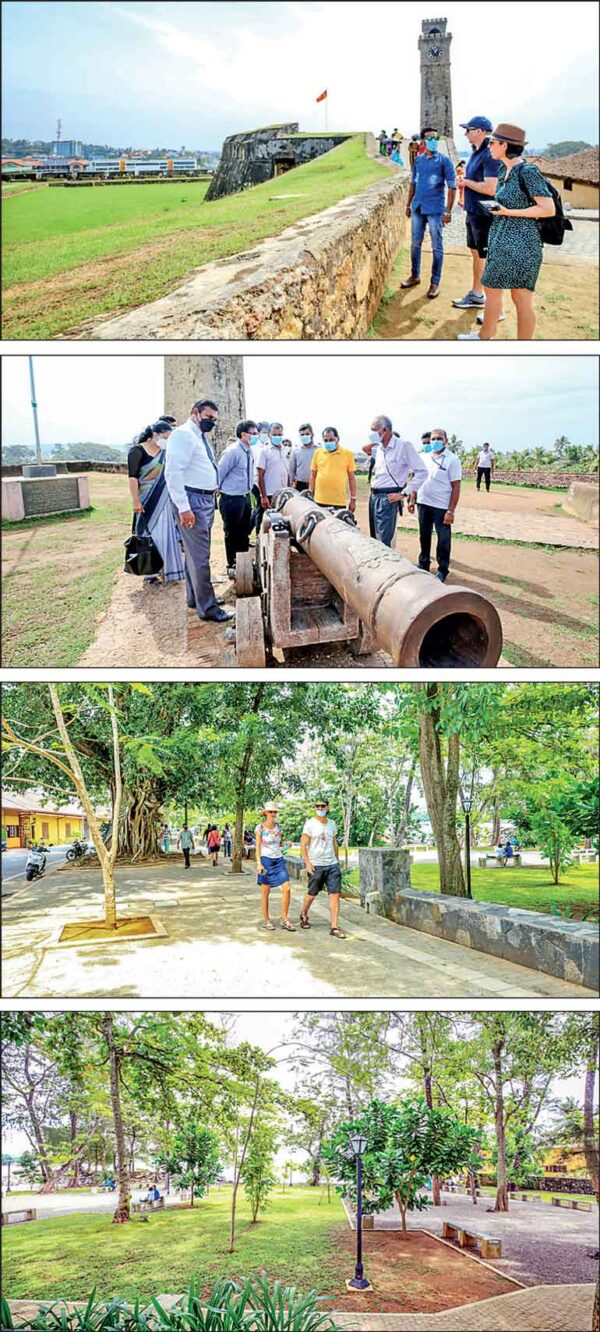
[315, 578]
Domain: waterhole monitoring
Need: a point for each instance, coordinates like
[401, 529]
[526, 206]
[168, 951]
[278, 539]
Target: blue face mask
[253, 439]
[306, 439]
[264, 435]
[427, 448]
[432, 145]
[277, 440]
[438, 445]
[330, 445]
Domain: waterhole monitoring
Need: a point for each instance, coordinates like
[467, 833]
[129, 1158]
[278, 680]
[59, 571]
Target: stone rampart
[256, 156]
[582, 500]
[322, 278]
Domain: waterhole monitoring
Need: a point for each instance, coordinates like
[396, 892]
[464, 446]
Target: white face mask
[374, 437]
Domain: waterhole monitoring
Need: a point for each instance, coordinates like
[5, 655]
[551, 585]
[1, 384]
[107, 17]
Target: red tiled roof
[582, 166]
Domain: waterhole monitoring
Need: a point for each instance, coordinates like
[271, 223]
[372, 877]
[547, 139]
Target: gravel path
[541, 1244]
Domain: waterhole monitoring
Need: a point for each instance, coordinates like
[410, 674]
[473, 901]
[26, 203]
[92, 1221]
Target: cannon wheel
[244, 574]
[250, 633]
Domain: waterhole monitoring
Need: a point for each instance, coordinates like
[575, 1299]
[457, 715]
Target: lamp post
[467, 805]
[358, 1145]
[38, 447]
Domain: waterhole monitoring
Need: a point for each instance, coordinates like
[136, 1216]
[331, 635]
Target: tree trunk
[76, 1168]
[436, 1193]
[496, 821]
[590, 1142]
[123, 1211]
[596, 1309]
[140, 820]
[403, 825]
[402, 1207]
[501, 1203]
[238, 839]
[239, 1166]
[440, 785]
[241, 785]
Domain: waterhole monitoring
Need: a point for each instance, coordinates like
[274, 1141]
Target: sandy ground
[547, 598]
[214, 946]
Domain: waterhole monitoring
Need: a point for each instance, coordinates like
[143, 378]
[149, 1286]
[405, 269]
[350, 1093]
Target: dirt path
[566, 303]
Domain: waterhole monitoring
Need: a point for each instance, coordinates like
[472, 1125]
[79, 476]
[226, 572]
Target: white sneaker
[480, 318]
[472, 337]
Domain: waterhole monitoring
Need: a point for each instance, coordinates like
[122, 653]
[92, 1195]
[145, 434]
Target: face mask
[427, 448]
[432, 145]
[207, 423]
[330, 445]
[321, 813]
[306, 439]
[438, 445]
[252, 439]
[277, 440]
[264, 434]
[374, 437]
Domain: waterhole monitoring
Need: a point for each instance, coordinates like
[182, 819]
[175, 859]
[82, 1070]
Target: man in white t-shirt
[485, 466]
[319, 848]
[437, 499]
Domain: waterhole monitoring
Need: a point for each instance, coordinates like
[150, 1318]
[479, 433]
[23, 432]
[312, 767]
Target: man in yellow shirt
[333, 474]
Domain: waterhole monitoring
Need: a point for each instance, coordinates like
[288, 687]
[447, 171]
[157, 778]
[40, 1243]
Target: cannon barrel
[411, 615]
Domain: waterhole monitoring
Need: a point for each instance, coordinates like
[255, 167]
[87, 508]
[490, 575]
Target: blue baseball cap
[479, 122]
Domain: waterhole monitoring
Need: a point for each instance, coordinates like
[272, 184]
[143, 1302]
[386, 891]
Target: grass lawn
[297, 1241]
[528, 886]
[543, 1196]
[58, 574]
[70, 255]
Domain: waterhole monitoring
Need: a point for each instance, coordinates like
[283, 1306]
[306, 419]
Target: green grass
[527, 886]
[296, 1241]
[121, 246]
[58, 574]
[545, 1196]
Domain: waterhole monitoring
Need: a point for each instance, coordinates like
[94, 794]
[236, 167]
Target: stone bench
[20, 1214]
[572, 1203]
[486, 1245]
[585, 857]
[493, 862]
[145, 1206]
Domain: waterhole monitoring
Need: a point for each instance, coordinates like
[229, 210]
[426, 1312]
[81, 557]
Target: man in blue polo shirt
[428, 206]
[479, 181]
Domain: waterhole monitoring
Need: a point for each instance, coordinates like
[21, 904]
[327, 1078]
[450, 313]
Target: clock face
[435, 52]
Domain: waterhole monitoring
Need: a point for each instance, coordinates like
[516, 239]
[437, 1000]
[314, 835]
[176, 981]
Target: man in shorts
[320, 849]
[479, 181]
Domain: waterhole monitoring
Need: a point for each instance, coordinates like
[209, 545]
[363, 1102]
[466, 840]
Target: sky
[271, 1031]
[513, 402]
[186, 73]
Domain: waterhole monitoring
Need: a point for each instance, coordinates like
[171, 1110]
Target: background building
[25, 818]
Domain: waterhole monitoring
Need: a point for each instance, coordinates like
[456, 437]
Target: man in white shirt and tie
[191, 475]
[395, 460]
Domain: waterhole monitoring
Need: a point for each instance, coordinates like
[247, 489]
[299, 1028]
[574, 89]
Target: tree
[406, 1143]
[440, 774]
[192, 1159]
[565, 148]
[554, 838]
[257, 1174]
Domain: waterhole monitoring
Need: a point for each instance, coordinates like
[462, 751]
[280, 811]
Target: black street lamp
[358, 1145]
[467, 805]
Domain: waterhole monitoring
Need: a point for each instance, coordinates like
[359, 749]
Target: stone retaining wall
[567, 949]
[582, 500]
[323, 277]
[544, 477]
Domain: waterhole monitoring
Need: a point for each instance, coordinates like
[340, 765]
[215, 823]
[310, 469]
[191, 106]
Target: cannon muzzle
[412, 616]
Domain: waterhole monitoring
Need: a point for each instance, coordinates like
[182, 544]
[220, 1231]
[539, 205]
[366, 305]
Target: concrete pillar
[384, 874]
[188, 378]
[13, 508]
[83, 491]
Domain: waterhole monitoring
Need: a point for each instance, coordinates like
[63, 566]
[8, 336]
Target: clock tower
[436, 89]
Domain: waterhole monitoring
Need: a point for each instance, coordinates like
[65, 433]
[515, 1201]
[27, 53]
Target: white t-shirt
[485, 458]
[321, 841]
[443, 468]
[271, 839]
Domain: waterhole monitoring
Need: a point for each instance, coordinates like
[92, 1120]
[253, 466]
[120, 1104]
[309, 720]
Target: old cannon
[318, 579]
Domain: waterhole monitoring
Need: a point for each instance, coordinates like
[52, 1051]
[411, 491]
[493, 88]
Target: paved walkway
[580, 245]
[540, 1243]
[215, 947]
[545, 1309]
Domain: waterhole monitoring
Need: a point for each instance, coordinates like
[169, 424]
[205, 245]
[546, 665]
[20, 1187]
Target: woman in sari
[146, 465]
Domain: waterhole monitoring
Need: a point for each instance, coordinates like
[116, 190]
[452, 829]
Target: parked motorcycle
[35, 863]
[77, 850]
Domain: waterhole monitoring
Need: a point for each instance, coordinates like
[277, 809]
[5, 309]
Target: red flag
[322, 96]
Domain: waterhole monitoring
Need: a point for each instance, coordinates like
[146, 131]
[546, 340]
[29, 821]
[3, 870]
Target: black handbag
[142, 557]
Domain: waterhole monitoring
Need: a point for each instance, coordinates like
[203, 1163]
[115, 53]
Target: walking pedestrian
[437, 499]
[429, 206]
[235, 476]
[192, 478]
[485, 466]
[166, 838]
[320, 853]
[478, 180]
[395, 460]
[332, 476]
[227, 841]
[301, 457]
[186, 842]
[213, 843]
[515, 249]
[271, 869]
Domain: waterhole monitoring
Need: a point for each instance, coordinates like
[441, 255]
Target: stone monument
[436, 87]
[189, 378]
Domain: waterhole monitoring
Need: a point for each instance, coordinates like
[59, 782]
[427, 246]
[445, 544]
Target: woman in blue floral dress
[515, 248]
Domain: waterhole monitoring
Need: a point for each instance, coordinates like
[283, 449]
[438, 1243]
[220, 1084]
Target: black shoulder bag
[142, 556]
[552, 229]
